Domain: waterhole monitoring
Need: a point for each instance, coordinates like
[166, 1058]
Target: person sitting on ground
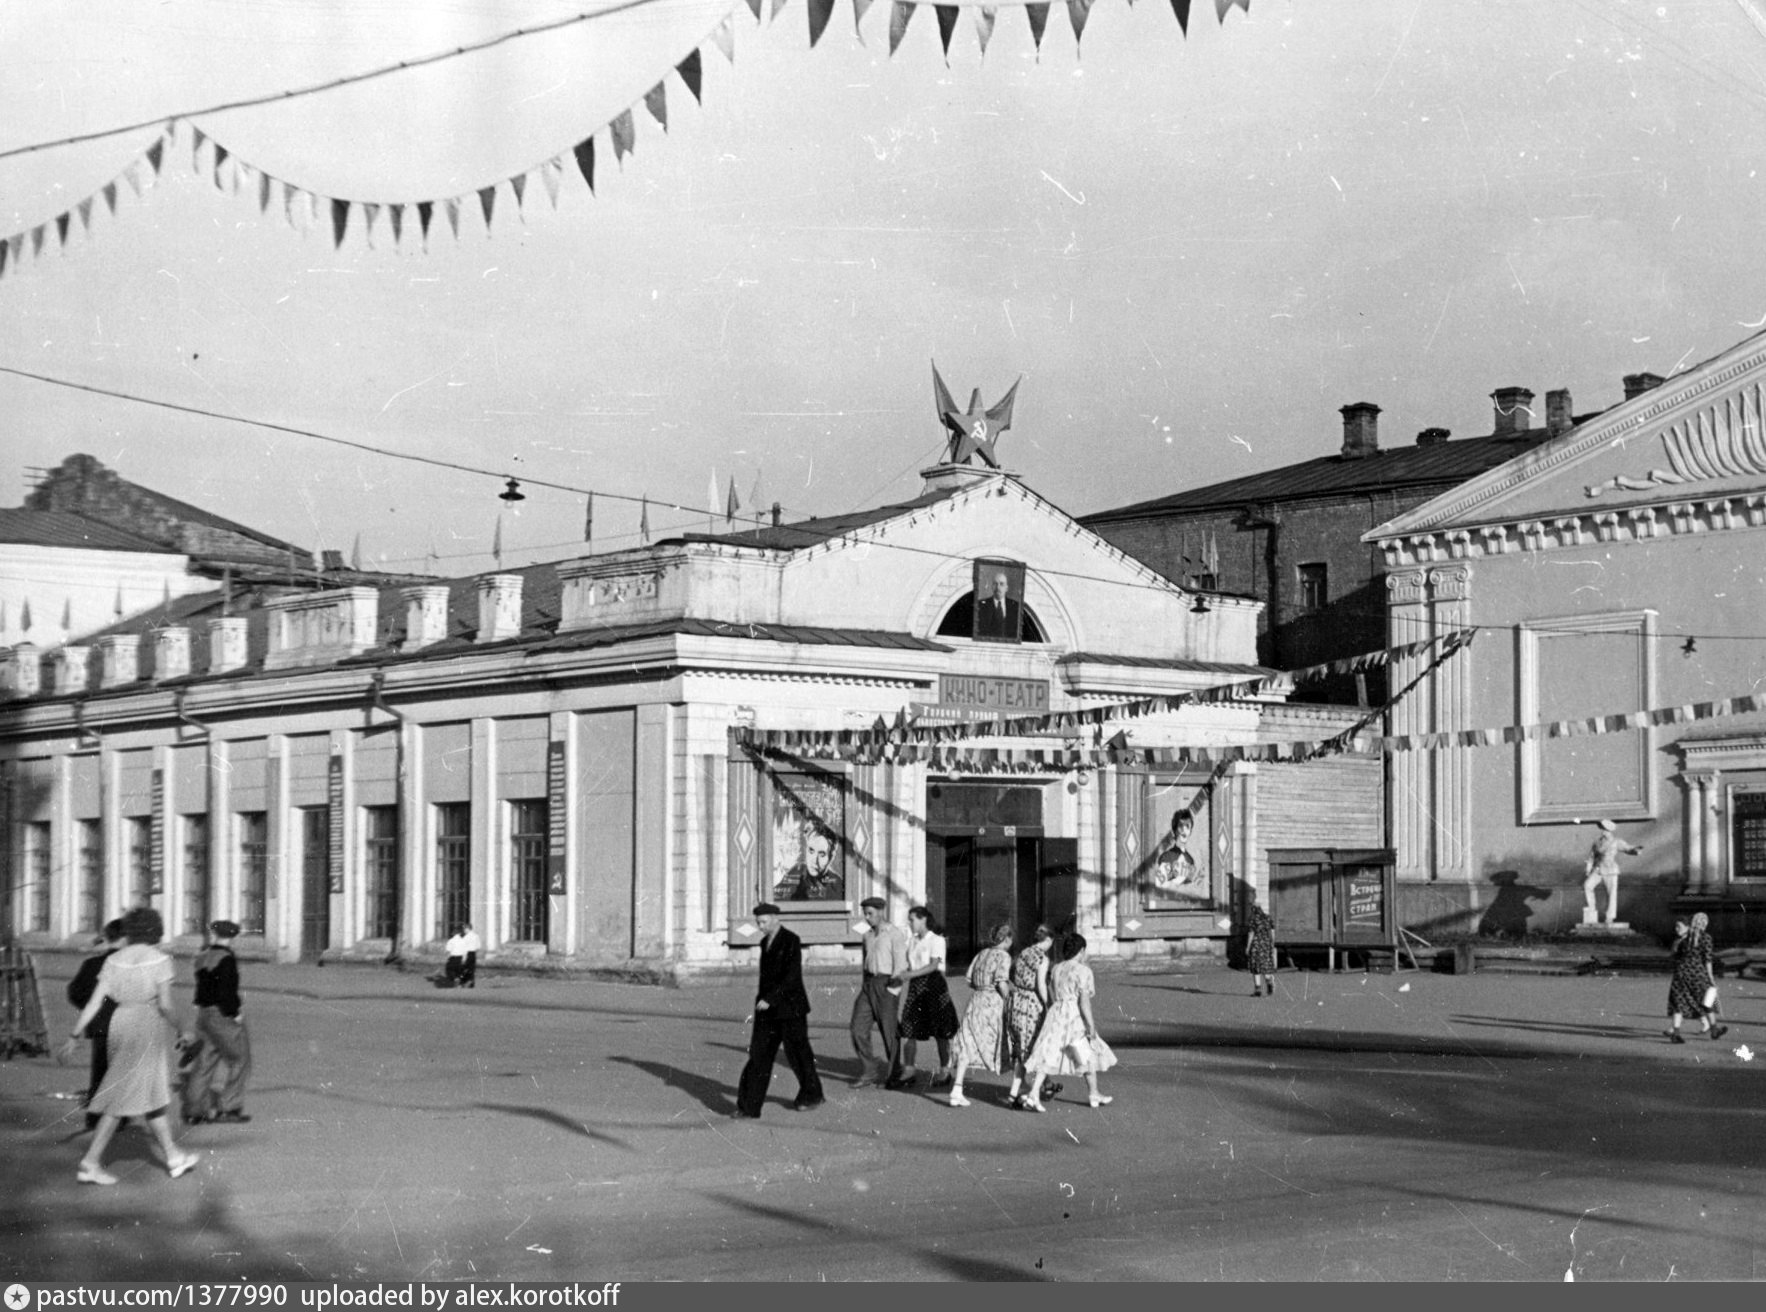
[461, 970]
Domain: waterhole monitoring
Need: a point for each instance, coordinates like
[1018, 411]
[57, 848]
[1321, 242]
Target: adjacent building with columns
[1617, 569]
[555, 755]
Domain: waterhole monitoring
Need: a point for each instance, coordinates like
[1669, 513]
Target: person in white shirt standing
[462, 967]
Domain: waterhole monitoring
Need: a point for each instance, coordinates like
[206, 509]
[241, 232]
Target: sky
[1191, 251]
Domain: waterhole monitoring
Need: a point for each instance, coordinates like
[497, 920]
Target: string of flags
[809, 742]
[304, 209]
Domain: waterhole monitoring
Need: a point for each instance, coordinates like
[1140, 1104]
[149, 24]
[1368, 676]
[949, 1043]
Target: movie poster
[809, 838]
[1178, 874]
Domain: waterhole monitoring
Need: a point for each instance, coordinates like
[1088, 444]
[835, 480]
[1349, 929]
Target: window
[91, 838]
[140, 838]
[959, 621]
[36, 872]
[1314, 586]
[380, 828]
[528, 838]
[453, 866]
[254, 870]
[195, 865]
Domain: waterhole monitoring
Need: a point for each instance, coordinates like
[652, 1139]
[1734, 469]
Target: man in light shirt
[885, 955]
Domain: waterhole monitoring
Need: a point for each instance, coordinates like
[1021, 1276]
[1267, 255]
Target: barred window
[453, 866]
[381, 863]
[528, 838]
[36, 854]
[195, 864]
[91, 836]
[254, 870]
[140, 838]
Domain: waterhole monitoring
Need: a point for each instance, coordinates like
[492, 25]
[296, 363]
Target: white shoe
[1101, 1100]
[957, 1099]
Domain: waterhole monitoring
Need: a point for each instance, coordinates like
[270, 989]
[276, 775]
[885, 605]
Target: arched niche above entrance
[945, 606]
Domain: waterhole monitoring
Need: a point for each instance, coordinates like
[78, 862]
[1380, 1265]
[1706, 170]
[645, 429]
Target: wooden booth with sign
[1334, 898]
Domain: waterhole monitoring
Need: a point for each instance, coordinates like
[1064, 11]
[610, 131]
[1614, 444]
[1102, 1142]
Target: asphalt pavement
[1355, 1126]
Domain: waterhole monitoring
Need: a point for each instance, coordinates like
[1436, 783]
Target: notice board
[1333, 897]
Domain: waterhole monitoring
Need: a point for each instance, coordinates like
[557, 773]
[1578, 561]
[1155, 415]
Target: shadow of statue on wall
[1508, 914]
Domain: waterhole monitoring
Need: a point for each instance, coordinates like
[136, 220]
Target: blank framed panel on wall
[1571, 669]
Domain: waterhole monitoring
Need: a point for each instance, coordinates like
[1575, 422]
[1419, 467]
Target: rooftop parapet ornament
[975, 431]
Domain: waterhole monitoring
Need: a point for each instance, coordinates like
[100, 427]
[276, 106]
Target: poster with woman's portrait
[1178, 874]
[808, 839]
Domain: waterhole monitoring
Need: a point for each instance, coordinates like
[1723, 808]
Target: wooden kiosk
[1334, 898]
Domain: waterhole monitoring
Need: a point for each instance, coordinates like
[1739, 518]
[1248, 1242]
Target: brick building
[1292, 537]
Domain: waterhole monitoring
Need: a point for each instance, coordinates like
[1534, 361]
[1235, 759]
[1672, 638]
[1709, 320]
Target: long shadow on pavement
[712, 1095]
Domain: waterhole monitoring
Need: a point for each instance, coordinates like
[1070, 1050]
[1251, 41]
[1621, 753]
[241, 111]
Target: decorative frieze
[1626, 524]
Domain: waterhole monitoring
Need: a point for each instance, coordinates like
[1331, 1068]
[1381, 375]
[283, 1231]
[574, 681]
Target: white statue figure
[1603, 868]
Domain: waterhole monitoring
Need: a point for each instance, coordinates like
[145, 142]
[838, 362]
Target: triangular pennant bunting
[1039, 20]
[451, 207]
[85, 209]
[518, 185]
[487, 201]
[1077, 12]
[755, 6]
[984, 19]
[624, 134]
[551, 172]
[901, 13]
[340, 221]
[196, 140]
[585, 160]
[859, 9]
[820, 11]
[656, 101]
[947, 23]
[368, 213]
[693, 75]
[62, 221]
[425, 212]
[220, 159]
[396, 216]
[155, 153]
[110, 196]
[724, 37]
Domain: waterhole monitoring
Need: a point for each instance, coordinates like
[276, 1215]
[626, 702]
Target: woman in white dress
[138, 1082]
[982, 1039]
[1068, 1043]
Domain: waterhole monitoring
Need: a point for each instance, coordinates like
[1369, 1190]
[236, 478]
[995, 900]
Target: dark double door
[988, 862]
[315, 881]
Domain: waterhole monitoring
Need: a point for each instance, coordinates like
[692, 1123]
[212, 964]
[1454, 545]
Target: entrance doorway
[988, 861]
[315, 881]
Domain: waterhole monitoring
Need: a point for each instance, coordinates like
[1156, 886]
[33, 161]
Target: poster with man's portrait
[999, 601]
[809, 839]
[1178, 874]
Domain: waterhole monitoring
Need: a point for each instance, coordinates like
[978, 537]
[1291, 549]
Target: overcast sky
[1193, 252]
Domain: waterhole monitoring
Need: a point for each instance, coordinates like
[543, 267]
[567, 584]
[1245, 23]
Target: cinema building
[603, 763]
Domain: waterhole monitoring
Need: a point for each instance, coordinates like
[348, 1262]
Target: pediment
[1698, 438]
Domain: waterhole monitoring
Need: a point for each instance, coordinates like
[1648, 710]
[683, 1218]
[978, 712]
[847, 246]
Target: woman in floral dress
[1068, 1043]
[1026, 1002]
[982, 1040]
[1693, 975]
[1260, 949]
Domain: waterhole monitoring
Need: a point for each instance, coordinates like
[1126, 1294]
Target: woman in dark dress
[1693, 975]
[1028, 1002]
[1260, 949]
[927, 1011]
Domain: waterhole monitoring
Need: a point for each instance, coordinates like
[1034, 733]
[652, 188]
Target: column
[1450, 594]
[1411, 790]
[561, 734]
[1712, 866]
[487, 826]
[1692, 832]
[416, 876]
[220, 831]
[282, 901]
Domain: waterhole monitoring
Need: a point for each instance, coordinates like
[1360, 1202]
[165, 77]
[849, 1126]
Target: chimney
[1514, 411]
[499, 607]
[1558, 416]
[1433, 436]
[70, 670]
[333, 560]
[426, 615]
[24, 671]
[226, 644]
[1638, 384]
[1361, 430]
[119, 660]
[171, 652]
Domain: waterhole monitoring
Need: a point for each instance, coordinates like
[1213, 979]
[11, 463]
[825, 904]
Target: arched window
[959, 621]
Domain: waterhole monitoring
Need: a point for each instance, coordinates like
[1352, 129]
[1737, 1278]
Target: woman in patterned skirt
[927, 1011]
[982, 1040]
[1025, 1005]
[1693, 975]
[1260, 949]
[1068, 1043]
[138, 1081]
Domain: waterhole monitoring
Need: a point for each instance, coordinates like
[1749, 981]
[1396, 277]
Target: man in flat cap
[781, 1015]
[875, 1007]
[220, 1020]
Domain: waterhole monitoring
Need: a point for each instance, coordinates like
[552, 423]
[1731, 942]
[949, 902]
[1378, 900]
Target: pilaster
[1412, 793]
[1450, 598]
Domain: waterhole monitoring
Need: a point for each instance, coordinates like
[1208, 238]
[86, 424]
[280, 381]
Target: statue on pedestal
[1603, 868]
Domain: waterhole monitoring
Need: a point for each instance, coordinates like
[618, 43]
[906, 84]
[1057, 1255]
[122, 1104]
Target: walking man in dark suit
[781, 1015]
[79, 992]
